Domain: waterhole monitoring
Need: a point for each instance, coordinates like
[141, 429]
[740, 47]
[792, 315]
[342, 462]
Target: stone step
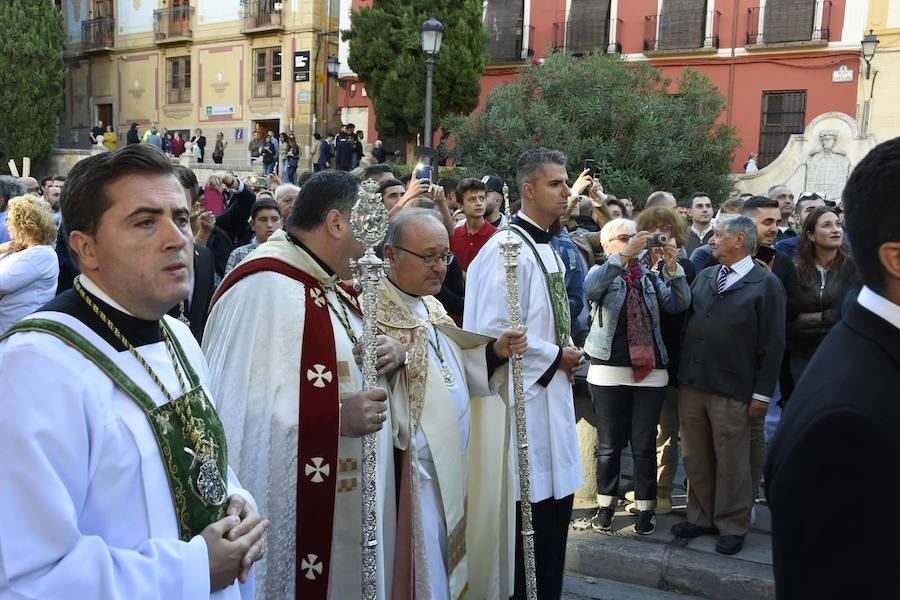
[661, 561]
[577, 587]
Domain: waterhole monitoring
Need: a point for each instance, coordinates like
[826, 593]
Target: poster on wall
[301, 65]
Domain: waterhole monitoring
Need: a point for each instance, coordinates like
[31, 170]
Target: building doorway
[105, 114]
[264, 126]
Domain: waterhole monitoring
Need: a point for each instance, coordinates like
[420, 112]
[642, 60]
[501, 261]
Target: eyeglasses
[430, 259]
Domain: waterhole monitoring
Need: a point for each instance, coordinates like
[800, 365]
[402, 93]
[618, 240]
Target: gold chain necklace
[203, 448]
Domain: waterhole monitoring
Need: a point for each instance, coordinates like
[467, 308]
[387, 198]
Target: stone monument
[818, 160]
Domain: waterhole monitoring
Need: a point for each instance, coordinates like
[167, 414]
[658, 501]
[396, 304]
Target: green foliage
[32, 79]
[386, 54]
[643, 137]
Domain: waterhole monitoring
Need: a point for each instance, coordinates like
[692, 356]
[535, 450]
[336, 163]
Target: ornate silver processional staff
[370, 221]
[510, 246]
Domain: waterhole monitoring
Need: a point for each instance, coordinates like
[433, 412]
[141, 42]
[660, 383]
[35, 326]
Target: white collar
[743, 266]
[525, 217]
[94, 289]
[701, 234]
[879, 305]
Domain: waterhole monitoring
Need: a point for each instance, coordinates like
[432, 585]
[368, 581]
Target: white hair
[616, 227]
[284, 190]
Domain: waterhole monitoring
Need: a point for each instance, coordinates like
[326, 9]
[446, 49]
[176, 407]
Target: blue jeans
[289, 173]
[268, 168]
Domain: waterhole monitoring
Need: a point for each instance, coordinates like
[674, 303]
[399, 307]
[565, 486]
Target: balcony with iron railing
[507, 44]
[173, 25]
[98, 35]
[682, 31]
[580, 37]
[261, 16]
[797, 23]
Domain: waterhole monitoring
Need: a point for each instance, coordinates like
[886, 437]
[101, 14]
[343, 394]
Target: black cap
[492, 183]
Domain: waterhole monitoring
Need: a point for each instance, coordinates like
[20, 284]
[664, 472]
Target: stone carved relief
[827, 168]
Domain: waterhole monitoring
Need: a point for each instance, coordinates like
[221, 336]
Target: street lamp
[432, 35]
[869, 45]
[332, 64]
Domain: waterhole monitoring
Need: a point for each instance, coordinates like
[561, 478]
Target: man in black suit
[733, 342]
[839, 439]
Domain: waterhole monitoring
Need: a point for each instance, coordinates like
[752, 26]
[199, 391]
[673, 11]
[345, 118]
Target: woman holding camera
[628, 360]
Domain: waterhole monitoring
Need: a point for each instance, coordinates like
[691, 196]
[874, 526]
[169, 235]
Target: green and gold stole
[183, 467]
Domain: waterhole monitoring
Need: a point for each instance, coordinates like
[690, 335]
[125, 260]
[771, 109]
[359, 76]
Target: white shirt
[739, 270]
[27, 282]
[879, 305]
[701, 234]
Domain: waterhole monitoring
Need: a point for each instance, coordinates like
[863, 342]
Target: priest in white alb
[280, 342]
[453, 474]
[549, 364]
[114, 477]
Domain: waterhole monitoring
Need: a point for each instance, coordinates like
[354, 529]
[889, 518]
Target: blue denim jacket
[605, 289]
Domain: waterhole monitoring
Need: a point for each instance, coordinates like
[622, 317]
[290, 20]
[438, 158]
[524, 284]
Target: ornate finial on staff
[510, 247]
[369, 220]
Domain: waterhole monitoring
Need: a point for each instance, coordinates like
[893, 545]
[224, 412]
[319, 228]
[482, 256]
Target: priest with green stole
[115, 470]
[454, 483]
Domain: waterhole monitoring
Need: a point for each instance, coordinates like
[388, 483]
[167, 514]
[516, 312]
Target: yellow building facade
[229, 66]
[882, 87]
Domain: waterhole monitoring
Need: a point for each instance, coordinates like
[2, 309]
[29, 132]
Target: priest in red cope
[280, 341]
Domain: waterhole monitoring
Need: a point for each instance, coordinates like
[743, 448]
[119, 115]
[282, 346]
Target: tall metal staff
[369, 220]
[510, 247]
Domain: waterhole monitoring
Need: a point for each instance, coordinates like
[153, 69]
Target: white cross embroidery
[312, 566]
[316, 295]
[318, 469]
[320, 374]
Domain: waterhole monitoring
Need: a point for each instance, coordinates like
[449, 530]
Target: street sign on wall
[301, 65]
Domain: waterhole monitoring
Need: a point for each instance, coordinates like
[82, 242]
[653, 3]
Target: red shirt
[465, 245]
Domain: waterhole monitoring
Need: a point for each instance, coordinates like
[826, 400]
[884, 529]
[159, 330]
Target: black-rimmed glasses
[430, 259]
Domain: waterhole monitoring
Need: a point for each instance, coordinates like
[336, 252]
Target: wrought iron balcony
[507, 44]
[681, 30]
[260, 16]
[794, 22]
[581, 37]
[98, 35]
[172, 25]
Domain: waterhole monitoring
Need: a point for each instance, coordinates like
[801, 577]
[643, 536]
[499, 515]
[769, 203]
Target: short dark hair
[45, 180]
[871, 212]
[86, 195]
[405, 179]
[616, 202]
[804, 198]
[323, 192]
[304, 177]
[531, 160]
[59, 178]
[470, 184]
[698, 195]
[754, 203]
[189, 182]
[384, 185]
[263, 204]
[317, 136]
[378, 169]
[450, 184]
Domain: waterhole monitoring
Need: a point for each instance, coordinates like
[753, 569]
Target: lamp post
[432, 34]
[332, 64]
[869, 45]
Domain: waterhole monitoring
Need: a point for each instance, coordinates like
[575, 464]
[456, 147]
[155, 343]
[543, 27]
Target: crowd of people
[199, 350]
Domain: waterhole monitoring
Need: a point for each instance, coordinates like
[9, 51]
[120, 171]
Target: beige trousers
[667, 444]
[716, 448]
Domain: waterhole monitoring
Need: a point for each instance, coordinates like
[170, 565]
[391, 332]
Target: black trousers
[626, 413]
[550, 520]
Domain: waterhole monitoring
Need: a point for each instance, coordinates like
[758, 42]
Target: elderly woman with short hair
[628, 358]
[28, 263]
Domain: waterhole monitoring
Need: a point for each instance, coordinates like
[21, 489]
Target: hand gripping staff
[510, 246]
